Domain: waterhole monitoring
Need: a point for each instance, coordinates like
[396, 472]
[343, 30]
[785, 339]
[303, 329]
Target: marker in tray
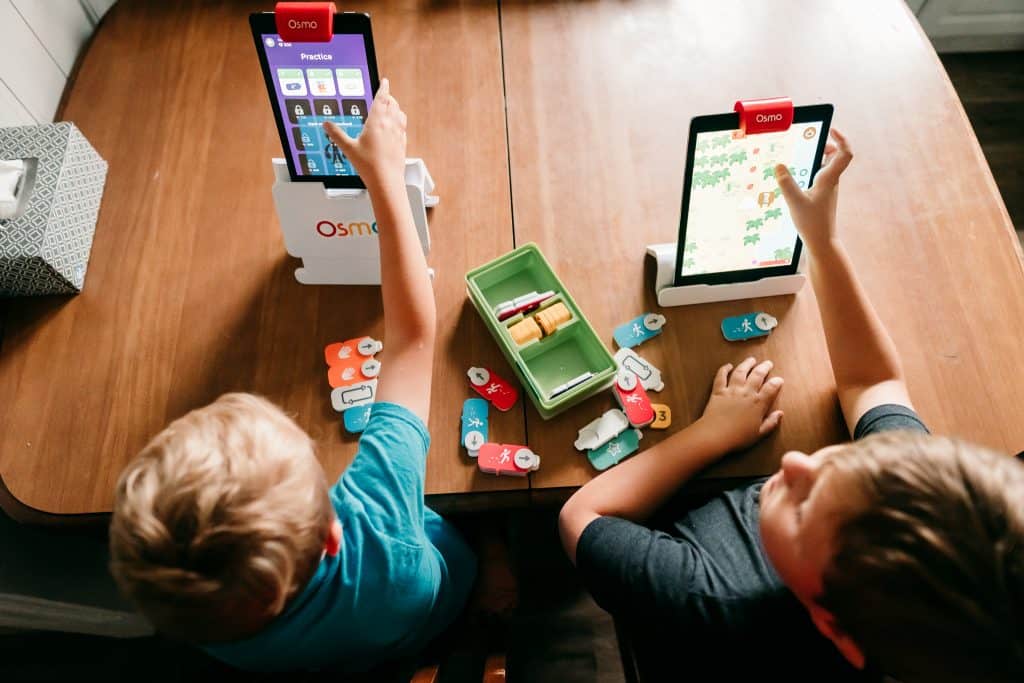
[521, 304]
[574, 382]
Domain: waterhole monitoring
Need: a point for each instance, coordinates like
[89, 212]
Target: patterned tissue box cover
[45, 248]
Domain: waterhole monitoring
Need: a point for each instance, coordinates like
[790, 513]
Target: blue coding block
[474, 424]
[638, 330]
[748, 326]
[356, 418]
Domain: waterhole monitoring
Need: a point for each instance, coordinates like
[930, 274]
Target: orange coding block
[352, 361]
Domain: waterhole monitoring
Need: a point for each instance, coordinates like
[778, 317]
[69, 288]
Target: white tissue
[10, 176]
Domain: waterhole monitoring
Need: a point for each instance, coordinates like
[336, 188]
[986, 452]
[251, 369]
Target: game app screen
[737, 218]
[317, 82]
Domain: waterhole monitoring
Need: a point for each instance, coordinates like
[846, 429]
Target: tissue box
[44, 248]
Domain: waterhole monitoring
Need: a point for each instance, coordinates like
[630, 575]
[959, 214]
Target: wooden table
[190, 293]
[599, 97]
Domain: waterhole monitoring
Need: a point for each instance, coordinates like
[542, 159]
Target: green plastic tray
[541, 365]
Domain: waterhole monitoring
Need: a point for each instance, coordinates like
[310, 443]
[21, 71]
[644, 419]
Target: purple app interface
[314, 83]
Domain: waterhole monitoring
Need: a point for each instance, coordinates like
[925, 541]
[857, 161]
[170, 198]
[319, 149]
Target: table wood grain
[190, 293]
[599, 99]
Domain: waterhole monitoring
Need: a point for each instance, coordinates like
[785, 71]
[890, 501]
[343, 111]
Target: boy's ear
[826, 623]
[332, 545]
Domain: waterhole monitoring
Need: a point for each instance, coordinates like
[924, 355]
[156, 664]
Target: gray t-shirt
[698, 594]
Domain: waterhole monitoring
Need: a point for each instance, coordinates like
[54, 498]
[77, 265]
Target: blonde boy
[905, 550]
[225, 532]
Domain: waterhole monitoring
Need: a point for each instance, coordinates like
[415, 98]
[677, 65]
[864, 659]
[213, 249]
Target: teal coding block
[356, 418]
[748, 326]
[474, 425]
[613, 452]
[638, 330]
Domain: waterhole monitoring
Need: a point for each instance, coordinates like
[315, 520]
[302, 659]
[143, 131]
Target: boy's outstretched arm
[378, 154]
[738, 413]
[865, 362]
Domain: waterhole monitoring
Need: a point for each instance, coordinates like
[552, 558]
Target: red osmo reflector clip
[305, 22]
[772, 115]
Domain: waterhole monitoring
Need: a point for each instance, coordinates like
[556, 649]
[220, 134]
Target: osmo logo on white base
[335, 233]
[327, 228]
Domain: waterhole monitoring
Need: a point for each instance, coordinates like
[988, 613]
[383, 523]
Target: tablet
[310, 83]
[735, 225]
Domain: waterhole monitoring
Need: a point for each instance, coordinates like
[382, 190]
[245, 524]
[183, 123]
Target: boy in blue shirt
[225, 532]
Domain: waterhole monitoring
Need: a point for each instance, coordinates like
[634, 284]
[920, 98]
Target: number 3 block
[662, 416]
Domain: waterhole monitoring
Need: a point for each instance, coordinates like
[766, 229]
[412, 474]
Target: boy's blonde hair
[220, 520]
[928, 578]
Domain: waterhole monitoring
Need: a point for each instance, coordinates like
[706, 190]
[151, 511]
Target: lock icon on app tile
[298, 110]
[355, 110]
[326, 110]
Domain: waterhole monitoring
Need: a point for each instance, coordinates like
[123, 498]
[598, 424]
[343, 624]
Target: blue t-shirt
[401, 577]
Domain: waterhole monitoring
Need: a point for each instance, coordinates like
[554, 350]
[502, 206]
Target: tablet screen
[737, 219]
[314, 83]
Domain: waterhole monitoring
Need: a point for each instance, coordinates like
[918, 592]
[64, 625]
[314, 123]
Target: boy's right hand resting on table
[741, 407]
[814, 211]
[741, 410]
[378, 153]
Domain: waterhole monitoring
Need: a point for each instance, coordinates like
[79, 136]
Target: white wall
[972, 25]
[49, 581]
[39, 43]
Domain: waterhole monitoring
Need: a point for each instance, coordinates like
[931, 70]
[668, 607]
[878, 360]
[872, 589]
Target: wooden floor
[557, 635]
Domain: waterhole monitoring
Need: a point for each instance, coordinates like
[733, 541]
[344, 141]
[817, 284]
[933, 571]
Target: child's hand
[740, 407]
[814, 211]
[378, 153]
